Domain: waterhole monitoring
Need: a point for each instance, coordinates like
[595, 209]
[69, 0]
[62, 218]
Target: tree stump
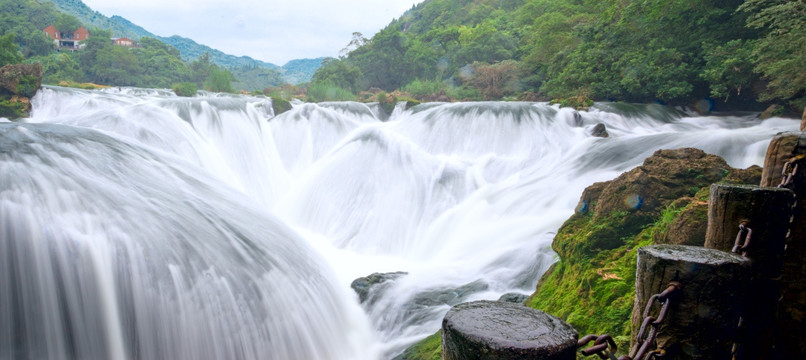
[791, 318]
[500, 330]
[765, 211]
[704, 313]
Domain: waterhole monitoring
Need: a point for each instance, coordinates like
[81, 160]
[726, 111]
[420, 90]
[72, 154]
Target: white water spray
[137, 224]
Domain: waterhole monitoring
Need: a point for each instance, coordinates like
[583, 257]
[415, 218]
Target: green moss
[594, 291]
[429, 348]
[28, 85]
[12, 109]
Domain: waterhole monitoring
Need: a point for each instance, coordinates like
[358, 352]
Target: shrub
[28, 85]
[420, 88]
[327, 91]
[186, 89]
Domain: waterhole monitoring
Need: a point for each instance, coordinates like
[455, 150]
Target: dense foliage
[675, 51]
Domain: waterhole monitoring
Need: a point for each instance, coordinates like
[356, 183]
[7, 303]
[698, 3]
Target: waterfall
[138, 224]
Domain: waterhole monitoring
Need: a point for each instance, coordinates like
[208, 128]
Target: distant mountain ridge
[294, 72]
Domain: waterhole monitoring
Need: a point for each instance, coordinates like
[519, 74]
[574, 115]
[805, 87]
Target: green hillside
[119, 26]
[731, 52]
[301, 70]
[191, 50]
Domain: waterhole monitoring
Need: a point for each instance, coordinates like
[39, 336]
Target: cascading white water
[136, 224]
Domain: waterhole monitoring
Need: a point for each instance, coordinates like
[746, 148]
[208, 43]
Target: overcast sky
[270, 30]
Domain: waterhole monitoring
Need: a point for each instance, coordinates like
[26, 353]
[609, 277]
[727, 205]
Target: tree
[9, 51]
[35, 43]
[338, 73]
[780, 54]
[496, 80]
[67, 24]
[219, 80]
[729, 69]
[200, 69]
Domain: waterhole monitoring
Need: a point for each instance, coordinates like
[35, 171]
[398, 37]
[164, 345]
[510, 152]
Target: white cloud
[273, 31]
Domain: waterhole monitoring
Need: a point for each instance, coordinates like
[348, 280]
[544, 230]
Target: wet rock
[501, 330]
[375, 283]
[514, 298]
[450, 296]
[772, 110]
[599, 131]
[280, 105]
[636, 198]
[688, 227]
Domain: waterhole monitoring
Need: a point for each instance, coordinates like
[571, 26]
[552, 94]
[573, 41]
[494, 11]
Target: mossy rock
[592, 285]
[21, 79]
[280, 105]
[14, 107]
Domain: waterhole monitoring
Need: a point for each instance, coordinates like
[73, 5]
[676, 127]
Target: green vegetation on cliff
[592, 286]
[677, 51]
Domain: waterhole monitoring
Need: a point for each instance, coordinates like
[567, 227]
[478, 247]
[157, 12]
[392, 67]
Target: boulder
[514, 298]
[279, 105]
[635, 198]
[688, 227]
[599, 131]
[373, 283]
[501, 330]
[20, 79]
[772, 110]
[663, 177]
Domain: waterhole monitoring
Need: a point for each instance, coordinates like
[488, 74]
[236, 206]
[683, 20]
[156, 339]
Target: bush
[420, 88]
[580, 102]
[28, 85]
[327, 91]
[185, 89]
[463, 93]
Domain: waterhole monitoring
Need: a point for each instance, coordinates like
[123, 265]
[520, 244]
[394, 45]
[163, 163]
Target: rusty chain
[742, 239]
[788, 173]
[605, 347]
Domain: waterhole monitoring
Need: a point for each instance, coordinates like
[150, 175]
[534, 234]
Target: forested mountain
[119, 26]
[189, 49]
[674, 51]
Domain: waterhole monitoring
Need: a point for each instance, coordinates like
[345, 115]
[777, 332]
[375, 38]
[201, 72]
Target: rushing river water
[135, 224]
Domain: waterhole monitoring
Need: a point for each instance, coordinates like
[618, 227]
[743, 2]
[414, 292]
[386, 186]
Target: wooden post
[765, 211]
[704, 313]
[791, 319]
[505, 331]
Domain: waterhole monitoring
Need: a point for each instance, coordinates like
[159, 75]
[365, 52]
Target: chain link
[605, 347]
[789, 171]
[742, 239]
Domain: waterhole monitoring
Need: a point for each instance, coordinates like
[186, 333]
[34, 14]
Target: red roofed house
[70, 41]
[126, 42]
